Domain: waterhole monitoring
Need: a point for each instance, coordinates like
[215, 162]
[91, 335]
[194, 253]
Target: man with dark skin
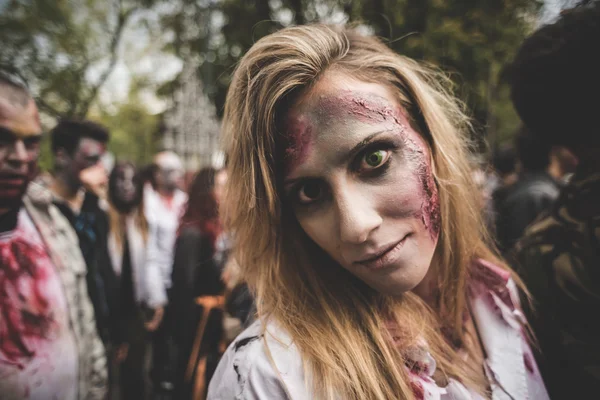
[49, 346]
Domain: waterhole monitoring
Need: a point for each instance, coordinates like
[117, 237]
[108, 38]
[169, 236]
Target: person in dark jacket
[555, 86]
[505, 165]
[78, 184]
[197, 301]
[519, 204]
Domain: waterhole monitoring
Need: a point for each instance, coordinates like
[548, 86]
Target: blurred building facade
[190, 126]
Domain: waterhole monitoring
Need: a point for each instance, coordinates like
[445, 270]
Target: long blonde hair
[116, 218]
[337, 322]
[117, 224]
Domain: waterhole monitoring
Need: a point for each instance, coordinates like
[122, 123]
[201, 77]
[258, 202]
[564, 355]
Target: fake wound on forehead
[367, 107]
[298, 139]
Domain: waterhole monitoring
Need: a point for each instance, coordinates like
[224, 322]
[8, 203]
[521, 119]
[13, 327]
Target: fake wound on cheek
[370, 108]
[430, 207]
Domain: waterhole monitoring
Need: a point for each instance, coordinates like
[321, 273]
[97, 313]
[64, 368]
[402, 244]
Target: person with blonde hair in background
[356, 227]
[128, 246]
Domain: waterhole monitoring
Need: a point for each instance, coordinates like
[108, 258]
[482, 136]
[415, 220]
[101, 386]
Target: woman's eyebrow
[345, 158]
[361, 145]
[289, 182]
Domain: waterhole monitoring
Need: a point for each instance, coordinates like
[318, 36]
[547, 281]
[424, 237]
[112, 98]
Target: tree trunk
[416, 21]
[298, 12]
[114, 49]
[263, 10]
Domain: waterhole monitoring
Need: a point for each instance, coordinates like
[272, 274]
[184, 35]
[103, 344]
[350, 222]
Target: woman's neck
[427, 289]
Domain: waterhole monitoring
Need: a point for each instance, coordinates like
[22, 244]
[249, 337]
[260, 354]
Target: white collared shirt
[163, 222]
[264, 363]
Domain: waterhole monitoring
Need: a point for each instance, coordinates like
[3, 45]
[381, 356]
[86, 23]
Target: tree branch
[263, 10]
[114, 48]
[47, 108]
[298, 12]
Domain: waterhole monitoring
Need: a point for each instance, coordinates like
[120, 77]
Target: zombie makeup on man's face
[88, 153]
[21, 119]
[20, 135]
[359, 180]
[169, 172]
[169, 179]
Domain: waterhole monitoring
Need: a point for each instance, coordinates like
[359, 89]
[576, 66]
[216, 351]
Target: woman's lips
[386, 258]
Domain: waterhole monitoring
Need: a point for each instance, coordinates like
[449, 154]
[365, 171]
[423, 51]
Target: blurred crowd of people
[523, 179]
[117, 279]
[541, 196]
[113, 276]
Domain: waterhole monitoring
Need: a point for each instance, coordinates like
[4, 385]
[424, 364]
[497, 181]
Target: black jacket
[518, 205]
[92, 228]
[195, 273]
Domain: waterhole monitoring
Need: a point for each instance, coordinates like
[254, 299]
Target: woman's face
[358, 178]
[125, 185]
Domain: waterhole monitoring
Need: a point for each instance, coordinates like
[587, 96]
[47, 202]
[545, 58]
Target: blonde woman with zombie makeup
[358, 230]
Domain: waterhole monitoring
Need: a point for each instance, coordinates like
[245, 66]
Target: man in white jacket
[163, 203]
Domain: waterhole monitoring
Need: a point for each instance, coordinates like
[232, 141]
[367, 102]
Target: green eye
[375, 158]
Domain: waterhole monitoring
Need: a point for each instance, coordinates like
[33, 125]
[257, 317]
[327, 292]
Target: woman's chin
[399, 281]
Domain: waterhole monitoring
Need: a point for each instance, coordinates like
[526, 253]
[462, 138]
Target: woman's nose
[357, 217]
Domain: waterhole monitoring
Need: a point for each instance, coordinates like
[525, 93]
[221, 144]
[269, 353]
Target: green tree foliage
[133, 129]
[55, 45]
[46, 160]
[472, 40]
[219, 33]
[66, 50]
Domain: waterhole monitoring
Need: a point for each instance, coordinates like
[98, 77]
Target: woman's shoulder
[261, 363]
[493, 279]
[493, 291]
[502, 328]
